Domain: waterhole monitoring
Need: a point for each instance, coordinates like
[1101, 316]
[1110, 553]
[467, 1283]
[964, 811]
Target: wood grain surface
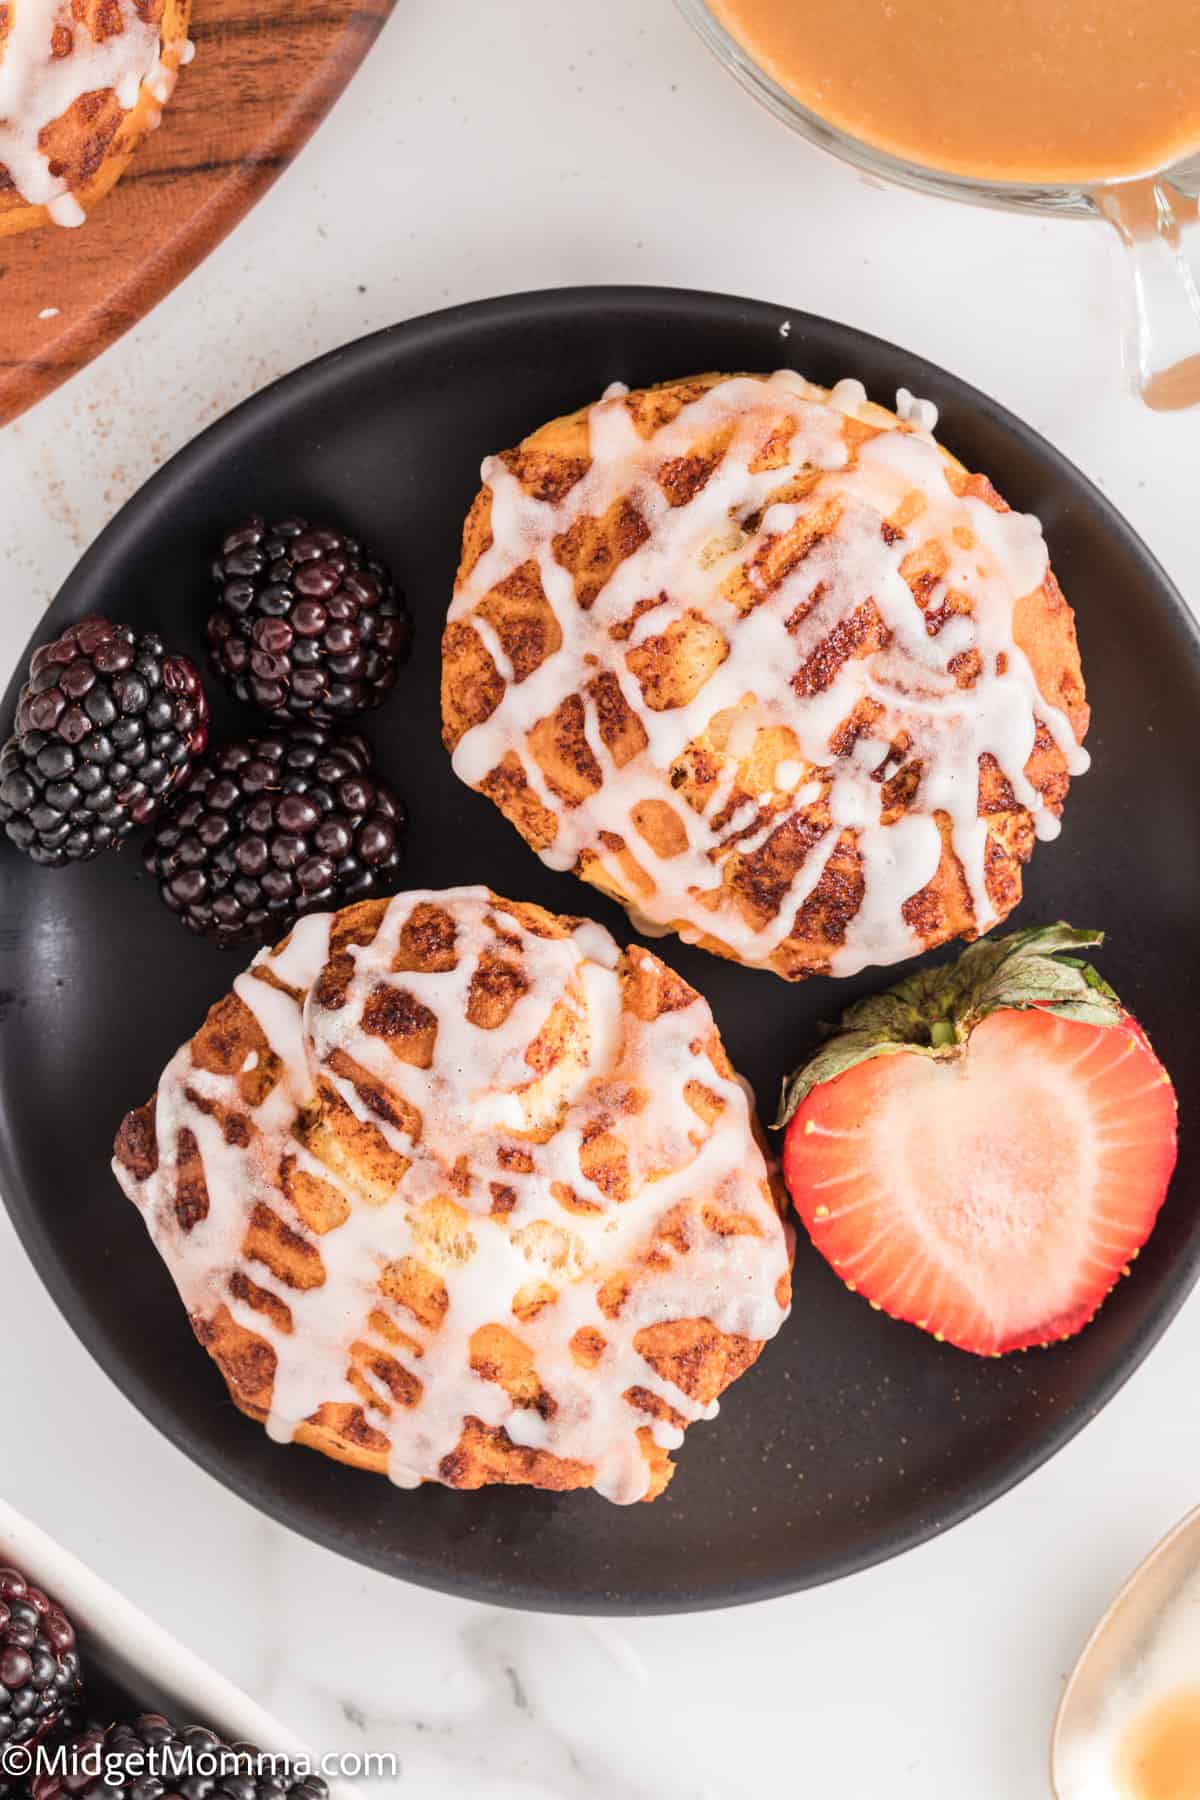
[264, 75]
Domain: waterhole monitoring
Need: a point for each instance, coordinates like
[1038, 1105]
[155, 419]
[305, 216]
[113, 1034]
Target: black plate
[854, 1437]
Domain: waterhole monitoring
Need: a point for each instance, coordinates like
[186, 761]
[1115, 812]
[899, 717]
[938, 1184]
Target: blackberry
[39, 1666]
[151, 1759]
[107, 727]
[307, 623]
[272, 828]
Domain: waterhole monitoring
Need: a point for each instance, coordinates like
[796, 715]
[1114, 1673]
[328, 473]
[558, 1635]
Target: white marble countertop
[536, 143]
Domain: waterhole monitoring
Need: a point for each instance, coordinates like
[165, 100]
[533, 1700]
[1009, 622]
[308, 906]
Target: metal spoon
[1113, 1652]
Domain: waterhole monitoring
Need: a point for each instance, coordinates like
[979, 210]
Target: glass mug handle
[1162, 333]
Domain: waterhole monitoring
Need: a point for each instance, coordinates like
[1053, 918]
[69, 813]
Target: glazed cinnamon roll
[454, 1189]
[82, 82]
[763, 662]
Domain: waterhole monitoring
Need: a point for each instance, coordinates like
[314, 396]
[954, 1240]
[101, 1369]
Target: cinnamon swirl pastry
[453, 1188]
[81, 84]
[766, 664]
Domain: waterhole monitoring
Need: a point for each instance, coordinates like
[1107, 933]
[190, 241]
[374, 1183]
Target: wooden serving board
[264, 75]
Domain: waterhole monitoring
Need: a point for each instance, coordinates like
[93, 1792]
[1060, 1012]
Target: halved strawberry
[983, 1149]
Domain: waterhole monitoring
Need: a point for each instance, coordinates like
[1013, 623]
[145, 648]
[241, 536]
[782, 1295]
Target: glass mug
[1150, 212]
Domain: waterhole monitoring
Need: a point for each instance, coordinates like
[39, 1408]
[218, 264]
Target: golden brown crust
[673, 666]
[92, 144]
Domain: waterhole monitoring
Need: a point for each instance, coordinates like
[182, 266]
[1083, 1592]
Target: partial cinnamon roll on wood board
[262, 78]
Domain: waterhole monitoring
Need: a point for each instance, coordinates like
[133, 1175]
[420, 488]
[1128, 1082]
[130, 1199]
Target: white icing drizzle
[921, 414]
[66, 211]
[481, 1096]
[37, 86]
[992, 558]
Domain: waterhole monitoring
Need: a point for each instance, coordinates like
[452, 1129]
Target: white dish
[129, 1650]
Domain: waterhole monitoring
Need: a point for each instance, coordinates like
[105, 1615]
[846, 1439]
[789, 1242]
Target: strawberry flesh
[992, 1196]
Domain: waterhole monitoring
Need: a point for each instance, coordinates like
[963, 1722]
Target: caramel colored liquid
[1008, 90]
[1159, 1757]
